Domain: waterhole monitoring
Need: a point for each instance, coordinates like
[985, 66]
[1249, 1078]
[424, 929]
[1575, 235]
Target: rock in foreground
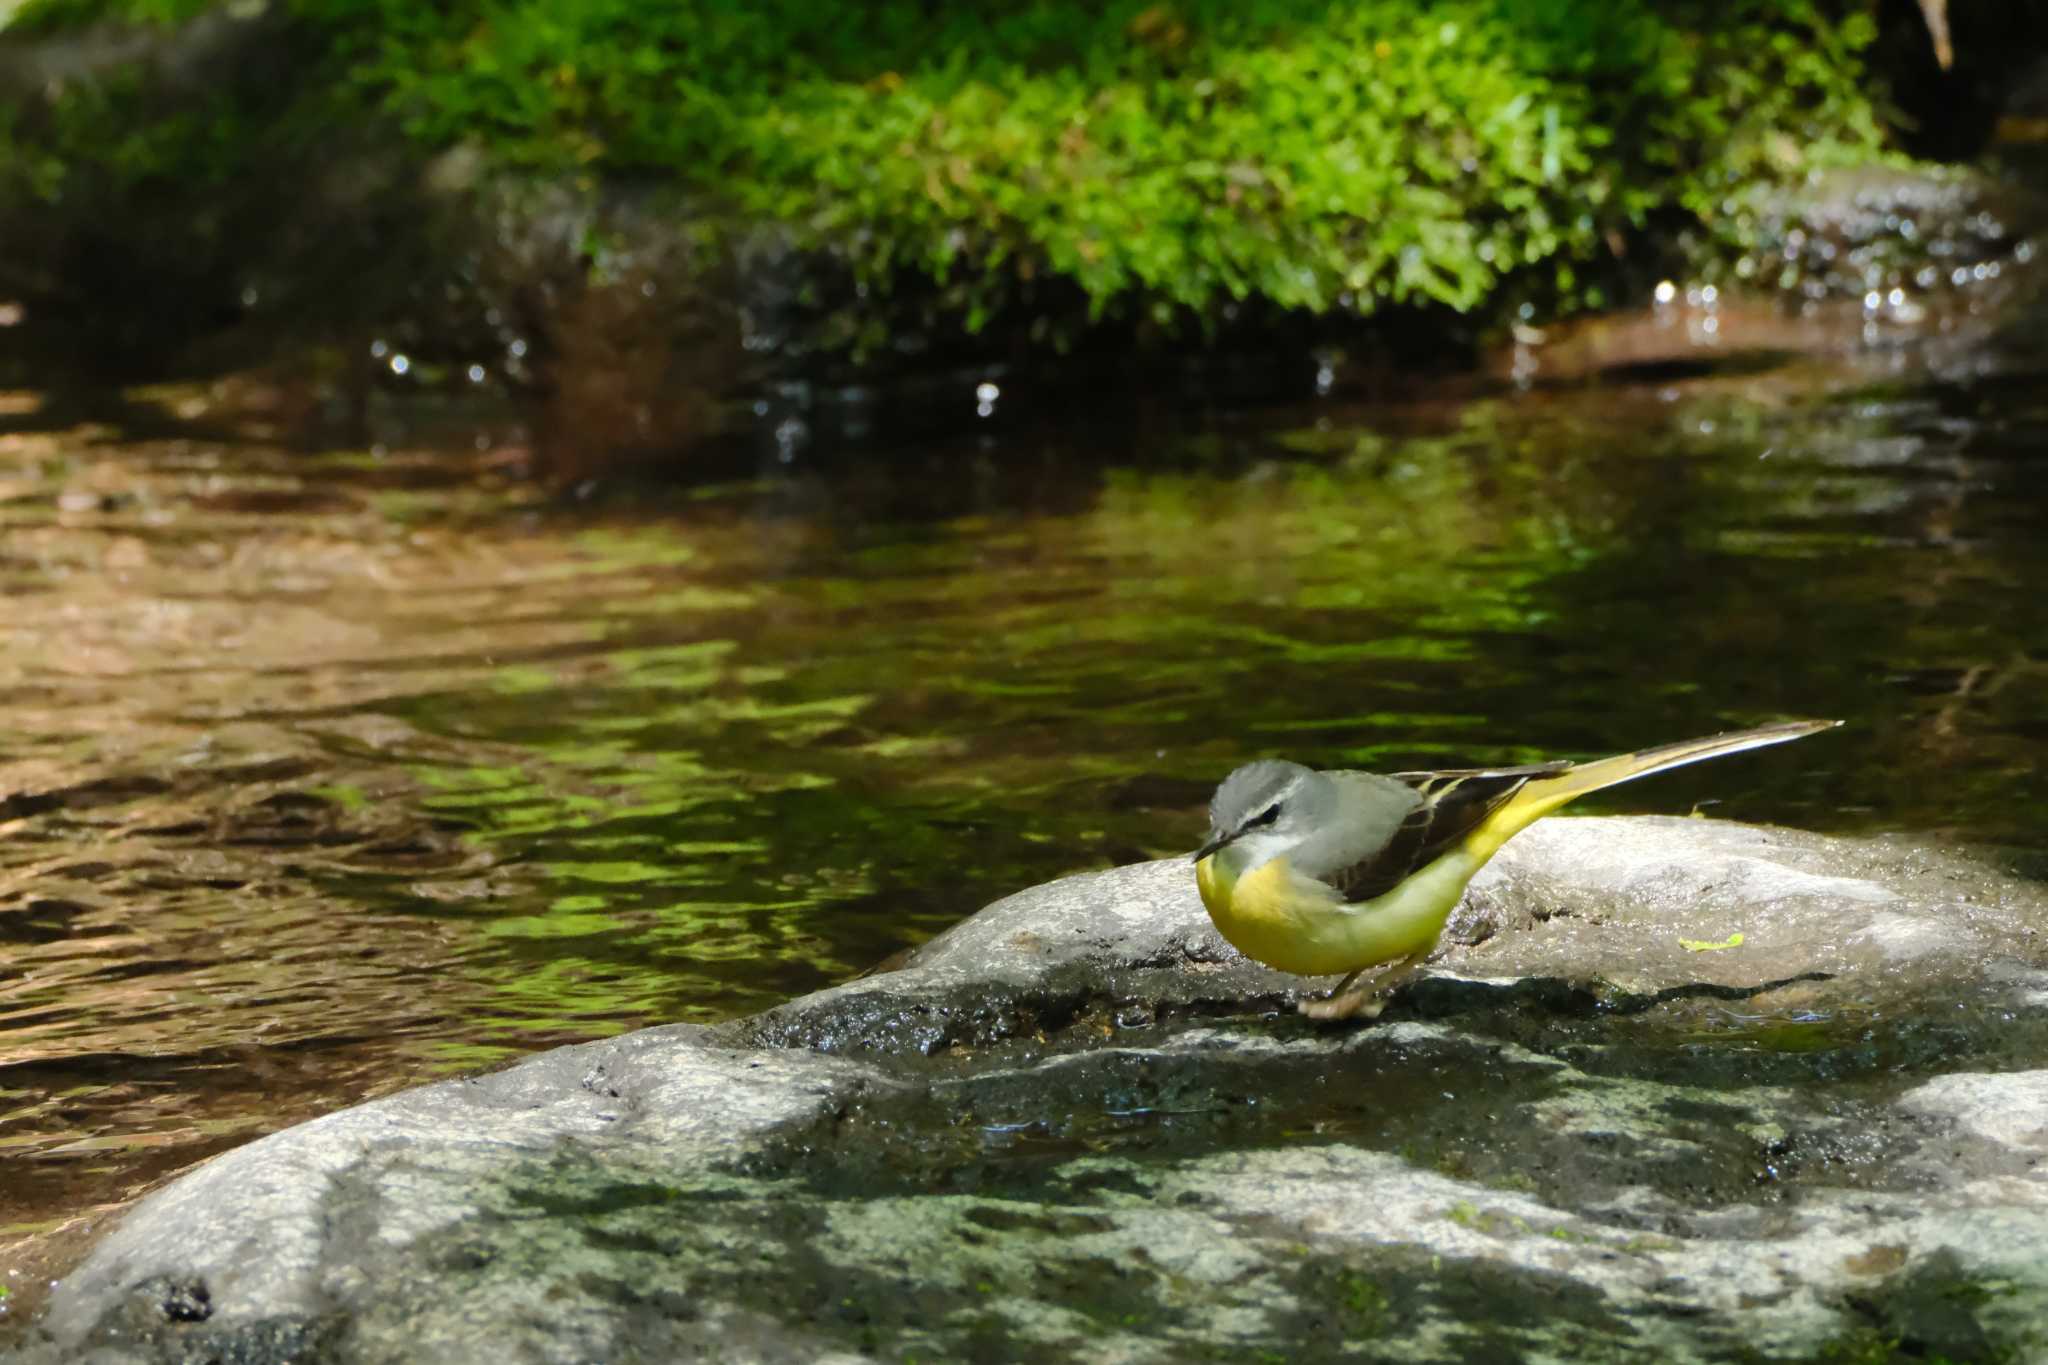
[1680, 1088]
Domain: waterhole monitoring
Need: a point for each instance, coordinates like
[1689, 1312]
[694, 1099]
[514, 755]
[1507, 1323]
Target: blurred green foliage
[1167, 159]
[56, 16]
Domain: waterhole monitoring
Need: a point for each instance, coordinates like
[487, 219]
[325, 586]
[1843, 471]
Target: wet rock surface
[1675, 1088]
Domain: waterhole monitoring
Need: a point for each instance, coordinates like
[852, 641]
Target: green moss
[1162, 161]
[1364, 1300]
[1167, 159]
[48, 16]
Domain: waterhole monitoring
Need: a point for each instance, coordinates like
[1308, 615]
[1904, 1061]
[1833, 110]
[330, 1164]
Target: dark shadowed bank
[646, 209]
[1683, 1090]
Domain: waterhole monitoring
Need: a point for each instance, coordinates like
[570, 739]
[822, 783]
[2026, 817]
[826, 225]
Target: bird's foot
[1350, 1001]
[1351, 1005]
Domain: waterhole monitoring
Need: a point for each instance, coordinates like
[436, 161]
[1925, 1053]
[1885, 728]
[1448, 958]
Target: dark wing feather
[1454, 802]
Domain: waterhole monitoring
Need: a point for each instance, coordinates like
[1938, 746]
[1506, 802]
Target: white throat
[1254, 850]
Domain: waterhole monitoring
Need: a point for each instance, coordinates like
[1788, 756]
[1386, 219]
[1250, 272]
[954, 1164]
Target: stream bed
[323, 774]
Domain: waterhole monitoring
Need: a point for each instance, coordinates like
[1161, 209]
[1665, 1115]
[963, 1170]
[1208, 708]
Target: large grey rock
[1079, 1127]
[1606, 905]
[279, 1241]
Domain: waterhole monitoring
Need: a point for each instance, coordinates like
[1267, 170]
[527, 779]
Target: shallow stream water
[327, 774]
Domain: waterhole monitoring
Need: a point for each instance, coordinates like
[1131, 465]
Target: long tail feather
[1545, 794]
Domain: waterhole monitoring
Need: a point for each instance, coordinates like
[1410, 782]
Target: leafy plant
[1168, 160]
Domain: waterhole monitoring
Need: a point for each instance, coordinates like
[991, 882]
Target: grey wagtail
[1326, 872]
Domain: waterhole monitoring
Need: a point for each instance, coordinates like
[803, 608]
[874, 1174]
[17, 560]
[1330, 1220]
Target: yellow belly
[1297, 924]
[1266, 918]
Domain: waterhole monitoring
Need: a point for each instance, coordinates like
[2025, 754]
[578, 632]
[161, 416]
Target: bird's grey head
[1265, 808]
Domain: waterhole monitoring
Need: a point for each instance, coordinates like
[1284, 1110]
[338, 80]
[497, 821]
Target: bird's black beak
[1218, 842]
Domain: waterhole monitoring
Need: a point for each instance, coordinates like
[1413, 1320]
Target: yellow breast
[1300, 925]
[1274, 916]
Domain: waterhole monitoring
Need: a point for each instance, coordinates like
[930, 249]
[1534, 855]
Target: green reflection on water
[633, 547]
[739, 792]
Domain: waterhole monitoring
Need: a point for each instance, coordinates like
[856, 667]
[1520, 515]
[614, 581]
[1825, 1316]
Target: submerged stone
[1675, 1088]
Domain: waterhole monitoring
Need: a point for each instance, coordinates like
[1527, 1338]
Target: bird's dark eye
[1268, 815]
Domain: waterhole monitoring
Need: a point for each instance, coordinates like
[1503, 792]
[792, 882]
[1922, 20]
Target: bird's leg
[1345, 1002]
[1336, 1005]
